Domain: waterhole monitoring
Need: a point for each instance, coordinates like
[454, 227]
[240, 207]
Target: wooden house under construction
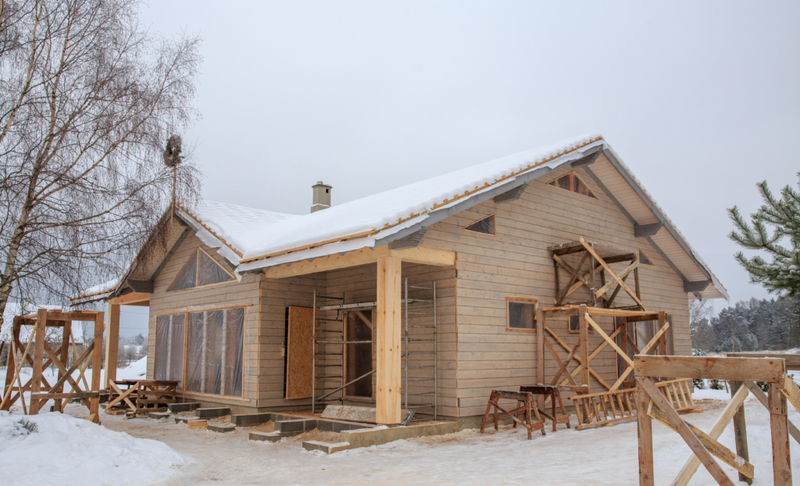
[425, 297]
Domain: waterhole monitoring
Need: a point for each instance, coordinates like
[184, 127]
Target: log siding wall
[476, 352]
[516, 263]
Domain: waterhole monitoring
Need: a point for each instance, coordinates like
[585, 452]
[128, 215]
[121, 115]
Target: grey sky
[699, 98]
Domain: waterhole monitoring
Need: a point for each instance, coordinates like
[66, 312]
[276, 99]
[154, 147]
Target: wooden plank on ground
[729, 369]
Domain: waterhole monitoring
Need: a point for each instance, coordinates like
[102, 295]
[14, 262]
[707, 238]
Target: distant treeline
[753, 325]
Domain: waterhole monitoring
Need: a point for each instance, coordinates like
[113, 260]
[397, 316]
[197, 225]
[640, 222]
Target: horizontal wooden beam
[131, 299]
[364, 256]
[792, 360]
[731, 369]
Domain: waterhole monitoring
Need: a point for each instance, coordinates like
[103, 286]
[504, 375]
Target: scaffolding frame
[427, 334]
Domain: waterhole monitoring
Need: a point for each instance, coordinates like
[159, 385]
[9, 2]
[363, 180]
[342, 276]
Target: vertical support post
[97, 365]
[740, 432]
[66, 332]
[585, 377]
[781, 463]
[645, 431]
[405, 319]
[603, 284]
[592, 286]
[662, 342]
[435, 361]
[388, 326]
[636, 278]
[112, 344]
[11, 362]
[623, 341]
[38, 358]
[555, 270]
[540, 353]
[314, 354]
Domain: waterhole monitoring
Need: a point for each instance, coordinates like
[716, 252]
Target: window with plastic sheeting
[200, 270]
[215, 352]
[169, 347]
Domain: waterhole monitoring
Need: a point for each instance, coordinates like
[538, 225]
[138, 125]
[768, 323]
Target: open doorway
[358, 356]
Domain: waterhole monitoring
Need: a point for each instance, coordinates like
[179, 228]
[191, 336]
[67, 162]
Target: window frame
[186, 313]
[493, 215]
[569, 326]
[196, 256]
[554, 183]
[527, 300]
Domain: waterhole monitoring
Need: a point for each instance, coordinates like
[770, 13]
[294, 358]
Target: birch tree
[88, 100]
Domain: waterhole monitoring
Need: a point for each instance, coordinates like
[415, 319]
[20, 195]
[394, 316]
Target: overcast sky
[700, 99]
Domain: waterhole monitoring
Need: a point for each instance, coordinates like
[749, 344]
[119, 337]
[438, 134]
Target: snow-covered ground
[604, 456]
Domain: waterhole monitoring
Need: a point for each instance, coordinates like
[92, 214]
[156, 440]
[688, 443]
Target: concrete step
[266, 436]
[288, 428]
[159, 415]
[326, 447]
[251, 419]
[221, 427]
[212, 412]
[183, 407]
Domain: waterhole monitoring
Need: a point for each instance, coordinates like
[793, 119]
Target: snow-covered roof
[252, 238]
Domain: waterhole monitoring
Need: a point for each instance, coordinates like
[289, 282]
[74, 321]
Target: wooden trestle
[44, 355]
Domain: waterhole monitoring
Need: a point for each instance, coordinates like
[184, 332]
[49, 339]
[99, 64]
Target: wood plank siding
[476, 351]
[516, 263]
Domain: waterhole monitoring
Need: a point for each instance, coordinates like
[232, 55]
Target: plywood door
[299, 373]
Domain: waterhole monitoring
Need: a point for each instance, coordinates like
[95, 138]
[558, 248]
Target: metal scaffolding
[419, 354]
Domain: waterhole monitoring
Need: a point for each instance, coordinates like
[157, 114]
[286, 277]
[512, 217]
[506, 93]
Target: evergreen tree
[776, 223]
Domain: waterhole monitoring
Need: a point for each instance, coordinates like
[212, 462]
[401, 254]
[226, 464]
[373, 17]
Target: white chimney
[322, 197]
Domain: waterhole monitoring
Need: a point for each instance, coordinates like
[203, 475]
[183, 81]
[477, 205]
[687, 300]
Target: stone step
[212, 412]
[293, 427]
[266, 436]
[183, 407]
[251, 419]
[159, 415]
[326, 447]
[221, 427]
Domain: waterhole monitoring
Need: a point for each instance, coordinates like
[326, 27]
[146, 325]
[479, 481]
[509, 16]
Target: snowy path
[605, 456]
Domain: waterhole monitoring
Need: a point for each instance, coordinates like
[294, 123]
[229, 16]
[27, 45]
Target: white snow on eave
[374, 213]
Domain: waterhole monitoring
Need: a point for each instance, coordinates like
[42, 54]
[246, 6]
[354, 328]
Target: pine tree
[776, 223]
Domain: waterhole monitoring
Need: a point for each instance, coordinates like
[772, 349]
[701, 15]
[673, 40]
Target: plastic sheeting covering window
[200, 270]
[214, 360]
[169, 347]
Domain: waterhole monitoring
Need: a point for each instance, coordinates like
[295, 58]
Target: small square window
[521, 314]
[575, 325]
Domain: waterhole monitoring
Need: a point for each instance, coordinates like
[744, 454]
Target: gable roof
[252, 239]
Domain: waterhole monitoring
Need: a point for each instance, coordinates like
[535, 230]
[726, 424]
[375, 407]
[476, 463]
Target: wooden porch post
[112, 344]
[540, 353]
[388, 341]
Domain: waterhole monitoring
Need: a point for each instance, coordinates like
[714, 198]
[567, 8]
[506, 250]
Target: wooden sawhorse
[552, 392]
[526, 399]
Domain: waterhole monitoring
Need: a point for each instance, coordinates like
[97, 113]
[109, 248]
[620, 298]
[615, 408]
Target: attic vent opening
[573, 183]
[200, 270]
[485, 226]
[644, 259]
